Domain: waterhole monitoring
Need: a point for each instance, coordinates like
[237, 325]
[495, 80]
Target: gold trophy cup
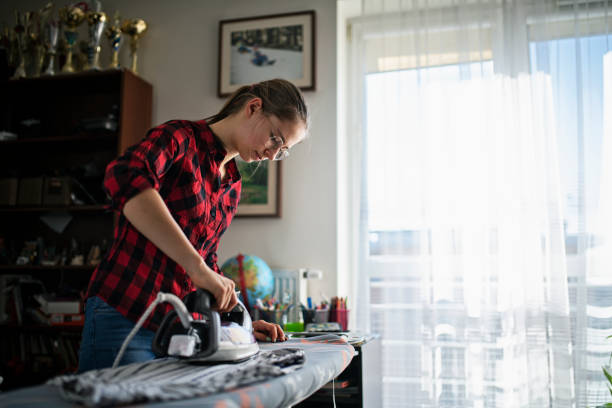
[34, 51]
[50, 37]
[20, 71]
[96, 21]
[72, 17]
[135, 28]
[113, 33]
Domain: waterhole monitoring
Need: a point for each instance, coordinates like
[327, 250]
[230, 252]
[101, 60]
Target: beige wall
[179, 57]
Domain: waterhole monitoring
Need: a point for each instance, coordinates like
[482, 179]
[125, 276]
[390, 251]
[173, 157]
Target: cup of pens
[321, 315]
[272, 311]
[315, 313]
[338, 312]
[308, 315]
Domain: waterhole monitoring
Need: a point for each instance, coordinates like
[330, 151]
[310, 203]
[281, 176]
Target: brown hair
[279, 97]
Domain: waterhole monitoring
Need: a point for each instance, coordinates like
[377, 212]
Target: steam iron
[215, 337]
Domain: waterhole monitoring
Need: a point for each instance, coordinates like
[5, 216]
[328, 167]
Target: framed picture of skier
[259, 48]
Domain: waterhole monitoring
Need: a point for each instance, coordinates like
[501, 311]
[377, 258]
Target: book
[7, 306]
[50, 304]
[17, 303]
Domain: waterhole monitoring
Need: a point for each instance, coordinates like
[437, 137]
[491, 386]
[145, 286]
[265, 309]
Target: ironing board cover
[324, 357]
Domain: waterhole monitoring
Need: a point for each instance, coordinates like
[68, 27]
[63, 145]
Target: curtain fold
[476, 132]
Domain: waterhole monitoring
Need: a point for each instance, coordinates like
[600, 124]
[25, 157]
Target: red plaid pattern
[181, 160]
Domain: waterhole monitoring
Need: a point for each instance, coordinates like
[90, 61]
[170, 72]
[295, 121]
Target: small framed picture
[260, 48]
[260, 196]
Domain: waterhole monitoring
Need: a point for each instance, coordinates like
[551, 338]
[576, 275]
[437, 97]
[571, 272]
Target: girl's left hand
[265, 331]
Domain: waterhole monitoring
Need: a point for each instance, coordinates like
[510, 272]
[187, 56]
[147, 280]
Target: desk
[360, 385]
[325, 359]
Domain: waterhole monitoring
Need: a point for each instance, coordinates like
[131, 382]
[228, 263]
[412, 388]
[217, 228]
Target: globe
[258, 279]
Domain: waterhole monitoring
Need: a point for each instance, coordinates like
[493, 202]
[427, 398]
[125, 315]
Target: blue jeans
[104, 331]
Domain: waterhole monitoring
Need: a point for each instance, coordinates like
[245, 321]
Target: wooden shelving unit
[57, 145]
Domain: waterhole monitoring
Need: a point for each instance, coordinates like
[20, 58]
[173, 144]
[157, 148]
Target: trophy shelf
[71, 108]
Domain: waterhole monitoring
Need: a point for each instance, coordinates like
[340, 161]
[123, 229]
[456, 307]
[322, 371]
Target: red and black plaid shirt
[181, 160]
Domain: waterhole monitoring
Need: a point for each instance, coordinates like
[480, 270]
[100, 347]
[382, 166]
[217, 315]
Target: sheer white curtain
[475, 133]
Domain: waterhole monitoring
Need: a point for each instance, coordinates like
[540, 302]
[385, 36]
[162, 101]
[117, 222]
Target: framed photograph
[260, 196]
[259, 48]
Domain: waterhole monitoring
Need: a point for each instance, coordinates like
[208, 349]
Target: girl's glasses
[276, 143]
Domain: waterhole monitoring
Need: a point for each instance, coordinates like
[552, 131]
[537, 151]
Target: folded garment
[171, 379]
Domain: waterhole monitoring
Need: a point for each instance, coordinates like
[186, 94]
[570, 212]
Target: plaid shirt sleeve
[143, 165]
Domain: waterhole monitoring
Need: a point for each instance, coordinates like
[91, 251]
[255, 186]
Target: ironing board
[325, 360]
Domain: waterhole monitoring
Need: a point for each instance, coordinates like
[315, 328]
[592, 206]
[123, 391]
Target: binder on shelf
[30, 191]
[7, 300]
[16, 304]
[8, 191]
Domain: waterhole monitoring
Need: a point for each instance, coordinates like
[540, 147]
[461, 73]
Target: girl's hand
[265, 331]
[221, 287]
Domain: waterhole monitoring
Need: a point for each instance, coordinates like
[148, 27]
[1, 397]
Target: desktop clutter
[324, 317]
[280, 297]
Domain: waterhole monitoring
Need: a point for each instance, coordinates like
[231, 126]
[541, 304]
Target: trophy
[19, 43]
[5, 43]
[13, 50]
[135, 28]
[51, 31]
[71, 16]
[113, 33]
[34, 53]
[96, 21]
[36, 38]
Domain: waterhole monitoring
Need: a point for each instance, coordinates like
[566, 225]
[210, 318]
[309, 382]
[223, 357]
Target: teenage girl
[176, 193]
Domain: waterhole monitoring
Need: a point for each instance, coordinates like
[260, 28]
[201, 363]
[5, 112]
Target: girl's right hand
[221, 287]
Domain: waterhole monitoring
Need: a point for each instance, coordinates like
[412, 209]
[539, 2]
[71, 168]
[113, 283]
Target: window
[399, 238]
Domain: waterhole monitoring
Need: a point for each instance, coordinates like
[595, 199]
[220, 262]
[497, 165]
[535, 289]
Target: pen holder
[308, 315]
[321, 316]
[341, 316]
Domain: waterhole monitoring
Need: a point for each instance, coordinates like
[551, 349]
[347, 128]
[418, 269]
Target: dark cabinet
[359, 385]
[57, 134]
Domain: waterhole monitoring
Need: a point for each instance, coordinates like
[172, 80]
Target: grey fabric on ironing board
[325, 358]
[171, 379]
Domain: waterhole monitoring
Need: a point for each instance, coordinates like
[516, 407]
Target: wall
[178, 55]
